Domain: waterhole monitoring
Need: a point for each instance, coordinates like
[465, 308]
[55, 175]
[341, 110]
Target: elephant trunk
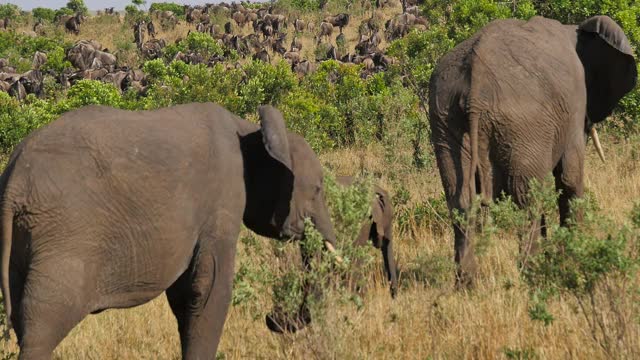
[390, 266]
[278, 320]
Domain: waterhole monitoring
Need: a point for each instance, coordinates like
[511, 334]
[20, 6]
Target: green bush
[44, 14]
[90, 92]
[10, 11]
[77, 6]
[57, 61]
[62, 12]
[18, 120]
[177, 9]
[197, 42]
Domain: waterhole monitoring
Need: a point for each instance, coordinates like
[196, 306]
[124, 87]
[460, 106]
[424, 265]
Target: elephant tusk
[333, 251]
[596, 142]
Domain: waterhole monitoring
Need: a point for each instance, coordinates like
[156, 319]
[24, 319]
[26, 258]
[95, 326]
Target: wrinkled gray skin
[515, 102]
[378, 230]
[105, 208]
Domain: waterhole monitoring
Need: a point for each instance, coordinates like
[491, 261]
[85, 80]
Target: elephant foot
[279, 322]
[394, 291]
[464, 280]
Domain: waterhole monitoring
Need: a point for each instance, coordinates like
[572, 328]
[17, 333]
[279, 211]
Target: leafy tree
[138, 3]
[44, 13]
[77, 6]
[177, 9]
[9, 11]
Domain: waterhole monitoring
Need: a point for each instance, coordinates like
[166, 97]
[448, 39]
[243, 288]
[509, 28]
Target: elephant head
[378, 230]
[284, 185]
[609, 66]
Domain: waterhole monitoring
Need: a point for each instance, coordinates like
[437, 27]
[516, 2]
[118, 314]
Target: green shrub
[197, 42]
[177, 9]
[62, 12]
[90, 92]
[18, 120]
[44, 14]
[265, 84]
[57, 61]
[77, 6]
[9, 11]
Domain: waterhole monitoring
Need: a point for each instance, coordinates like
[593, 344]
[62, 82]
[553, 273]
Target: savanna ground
[428, 319]
[499, 318]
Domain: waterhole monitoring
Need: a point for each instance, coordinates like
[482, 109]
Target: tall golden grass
[423, 322]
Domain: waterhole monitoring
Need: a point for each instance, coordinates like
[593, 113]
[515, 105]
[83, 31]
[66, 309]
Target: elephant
[378, 229]
[106, 208]
[517, 101]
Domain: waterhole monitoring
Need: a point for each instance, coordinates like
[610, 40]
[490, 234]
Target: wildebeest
[39, 58]
[326, 29]
[151, 29]
[340, 20]
[86, 55]
[138, 33]
[72, 25]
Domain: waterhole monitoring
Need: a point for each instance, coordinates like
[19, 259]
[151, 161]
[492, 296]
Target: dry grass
[425, 321]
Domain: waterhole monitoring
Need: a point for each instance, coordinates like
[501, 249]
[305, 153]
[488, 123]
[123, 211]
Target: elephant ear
[609, 63]
[274, 135]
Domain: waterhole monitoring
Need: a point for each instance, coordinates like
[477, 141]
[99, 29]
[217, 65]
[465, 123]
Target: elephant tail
[474, 119]
[7, 239]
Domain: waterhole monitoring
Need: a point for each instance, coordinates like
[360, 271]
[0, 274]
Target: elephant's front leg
[200, 297]
[568, 176]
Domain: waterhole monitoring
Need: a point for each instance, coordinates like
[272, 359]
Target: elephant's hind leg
[48, 311]
[454, 166]
[200, 298]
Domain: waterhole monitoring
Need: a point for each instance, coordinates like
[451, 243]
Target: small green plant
[520, 354]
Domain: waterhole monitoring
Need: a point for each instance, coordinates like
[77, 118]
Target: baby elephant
[378, 229]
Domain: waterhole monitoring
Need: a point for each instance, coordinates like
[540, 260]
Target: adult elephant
[515, 102]
[106, 208]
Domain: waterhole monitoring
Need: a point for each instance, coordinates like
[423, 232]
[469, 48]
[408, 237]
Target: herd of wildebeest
[105, 208]
[269, 38]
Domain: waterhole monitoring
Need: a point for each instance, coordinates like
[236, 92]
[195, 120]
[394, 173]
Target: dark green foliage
[56, 61]
[78, 6]
[197, 42]
[44, 14]
[177, 9]
[62, 12]
[10, 11]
